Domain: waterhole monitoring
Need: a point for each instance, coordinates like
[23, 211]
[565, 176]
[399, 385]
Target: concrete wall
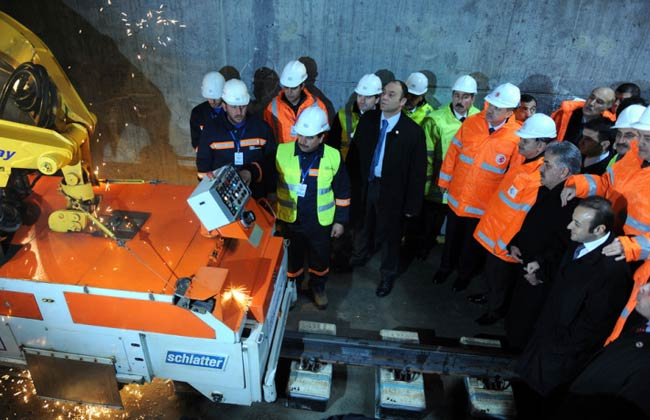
[140, 62]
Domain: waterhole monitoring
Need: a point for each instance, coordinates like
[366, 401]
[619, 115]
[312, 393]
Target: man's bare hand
[567, 194]
[246, 176]
[515, 253]
[615, 249]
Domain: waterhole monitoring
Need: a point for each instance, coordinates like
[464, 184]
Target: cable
[33, 92]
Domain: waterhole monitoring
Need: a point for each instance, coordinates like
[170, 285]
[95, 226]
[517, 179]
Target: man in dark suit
[588, 293]
[388, 160]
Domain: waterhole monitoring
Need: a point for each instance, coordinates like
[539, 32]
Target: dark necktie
[491, 130]
[380, 143]
[577, 252]
[645, 164]
[461, 119]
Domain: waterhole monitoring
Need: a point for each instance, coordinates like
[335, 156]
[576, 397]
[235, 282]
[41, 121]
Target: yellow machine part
[67, 221]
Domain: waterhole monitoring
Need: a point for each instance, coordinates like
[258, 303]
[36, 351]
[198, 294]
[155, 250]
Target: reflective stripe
[324, 190]
[287, 204]
[474, 210]
[444, 176]
[290, 187]
[253, 142]
[625, 313]
[610, 171]
[274, 107]
[645, 246]
[222, 145]
[466, 159]
[274, 111]
[592, 185]
[319, 273]
[457, 142]
[501, 245]
[348, 121]
[523, 206]
[452, 200]
[343, 202]
[313, 172]
[487, 240]
[326, 206]
[493, 168]
[632, 222]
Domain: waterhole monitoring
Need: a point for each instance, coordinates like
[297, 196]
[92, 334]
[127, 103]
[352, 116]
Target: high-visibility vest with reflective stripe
[476, 163]
[641, 276]
[349, 120]
[508, 207]
[626, 184]
[420, 113]
[562, 115]
[279, 115]
[288, 165]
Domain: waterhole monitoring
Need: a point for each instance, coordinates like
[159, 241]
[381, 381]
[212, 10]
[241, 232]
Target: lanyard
[235, 139]
[306, 171]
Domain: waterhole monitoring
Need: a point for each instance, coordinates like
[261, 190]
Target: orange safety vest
[641, 276]
[626, 184]
[476, 163]
[279, 115]
[562, 115]
[508, 207]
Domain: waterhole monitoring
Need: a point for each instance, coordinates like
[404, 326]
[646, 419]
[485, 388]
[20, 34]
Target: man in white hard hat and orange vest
[480, 154]
[282, 112]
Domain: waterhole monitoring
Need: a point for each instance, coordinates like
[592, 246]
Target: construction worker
[416, 106]
[479, 156]
[313, 200]
[210, 110]
[627, 185]
[283, 110]
[572, 115]
[527, 108]
[446, 122]
[505, 214]
[624, 131]
[388, 157]
[240, 140]
[596, 145]
[310, 83]
[367, 95]
[266, 86]
[625, 91]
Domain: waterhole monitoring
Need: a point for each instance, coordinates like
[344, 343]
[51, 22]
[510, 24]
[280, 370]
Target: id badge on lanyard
[239, 156]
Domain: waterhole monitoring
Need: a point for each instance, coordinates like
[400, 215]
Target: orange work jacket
[508, 207]
[641, 276]
[476, 163]
[279, 115]
[626, 184]
[562, 115]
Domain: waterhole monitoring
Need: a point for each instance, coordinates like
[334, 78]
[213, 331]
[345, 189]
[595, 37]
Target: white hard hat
[538, 126]
[369, 85]
[644, 121]
[212, 85]
[311, 121]
[293, 74]
[417, 83]
[465, 84]
[504, 96]
[629, 116]
[235, 93]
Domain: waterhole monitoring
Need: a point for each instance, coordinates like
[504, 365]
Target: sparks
[239, 295]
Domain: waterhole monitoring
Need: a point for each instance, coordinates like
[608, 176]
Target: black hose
[33, 92]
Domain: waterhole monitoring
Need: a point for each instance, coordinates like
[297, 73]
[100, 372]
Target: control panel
[220, 200]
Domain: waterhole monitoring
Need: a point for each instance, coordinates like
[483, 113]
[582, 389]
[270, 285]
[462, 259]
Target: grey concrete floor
[414, 304]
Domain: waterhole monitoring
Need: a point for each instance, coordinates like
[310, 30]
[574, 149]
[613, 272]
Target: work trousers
[461, 250]
[499, 278]
[313, 243]
[370, 236]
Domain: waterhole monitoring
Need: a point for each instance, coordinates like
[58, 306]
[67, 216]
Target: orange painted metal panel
[137, 315]
[18, 304]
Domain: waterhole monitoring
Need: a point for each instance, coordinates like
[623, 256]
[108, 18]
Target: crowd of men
[550, 213]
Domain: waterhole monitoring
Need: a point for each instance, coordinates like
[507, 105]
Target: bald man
[571, 117]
